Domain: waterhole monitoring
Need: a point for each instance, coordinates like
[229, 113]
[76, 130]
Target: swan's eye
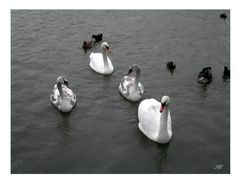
[66, 83]
[107, 47]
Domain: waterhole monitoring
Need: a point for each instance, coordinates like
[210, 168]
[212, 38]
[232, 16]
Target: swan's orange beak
[162, 107]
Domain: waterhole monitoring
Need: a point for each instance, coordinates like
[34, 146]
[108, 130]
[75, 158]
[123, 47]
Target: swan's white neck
[105, 61]
[59, 86]
[163, 128]
[136, 80]
[135, 86]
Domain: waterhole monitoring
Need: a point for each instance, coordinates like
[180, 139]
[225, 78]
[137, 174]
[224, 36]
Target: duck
[62, 96]
[226, 72]
[87, 44]
[155, 119]
[100, 62]
[171, 65]
[205, 76]
[97, 37]
[223, 16]
[130, 87]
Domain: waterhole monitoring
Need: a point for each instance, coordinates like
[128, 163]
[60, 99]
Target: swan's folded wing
[141, 89]
[124, 85]
[54, 95]
[73, 98]
[150, 124]
[69, 93]
[149, 118]
[96, 59]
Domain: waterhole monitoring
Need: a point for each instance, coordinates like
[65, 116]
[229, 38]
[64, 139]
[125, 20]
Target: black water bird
[171, 65]
[87, 44]
[205, 76]
[223, 16]
[226, 72]
[97, 37]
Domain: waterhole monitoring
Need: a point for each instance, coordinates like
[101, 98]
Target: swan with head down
[100, 62]
[155, 119]
[130, 87]
[62, 97]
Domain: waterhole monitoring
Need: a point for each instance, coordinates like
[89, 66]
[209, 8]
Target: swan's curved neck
[137, 78]
[59, 86]
[163, 128]
[104, 53]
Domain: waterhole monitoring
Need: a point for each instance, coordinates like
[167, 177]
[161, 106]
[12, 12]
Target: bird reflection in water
[65, 123]
[161, 157]
[64, 128]
[160, 154]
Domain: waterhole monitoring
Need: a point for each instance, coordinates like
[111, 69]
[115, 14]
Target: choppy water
[101, 135]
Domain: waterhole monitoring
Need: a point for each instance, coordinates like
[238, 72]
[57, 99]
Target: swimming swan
[62, 97]
[155, 119]
[100, 62]
[130, 87]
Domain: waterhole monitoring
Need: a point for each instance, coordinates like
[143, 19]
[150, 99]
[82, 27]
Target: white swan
[62, 97]
[100, 62]
[130, 87]
[155, 119]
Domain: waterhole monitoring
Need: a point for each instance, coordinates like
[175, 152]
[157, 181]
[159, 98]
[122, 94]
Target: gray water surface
[101, 135]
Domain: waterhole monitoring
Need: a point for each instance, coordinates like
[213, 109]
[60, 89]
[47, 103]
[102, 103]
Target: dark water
[101, 135]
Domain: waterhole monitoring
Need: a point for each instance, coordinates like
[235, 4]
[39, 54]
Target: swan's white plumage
[100, 62]
[149, 121]
[97, 64]
[149, 117]
[128, 89]
[66, 102]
